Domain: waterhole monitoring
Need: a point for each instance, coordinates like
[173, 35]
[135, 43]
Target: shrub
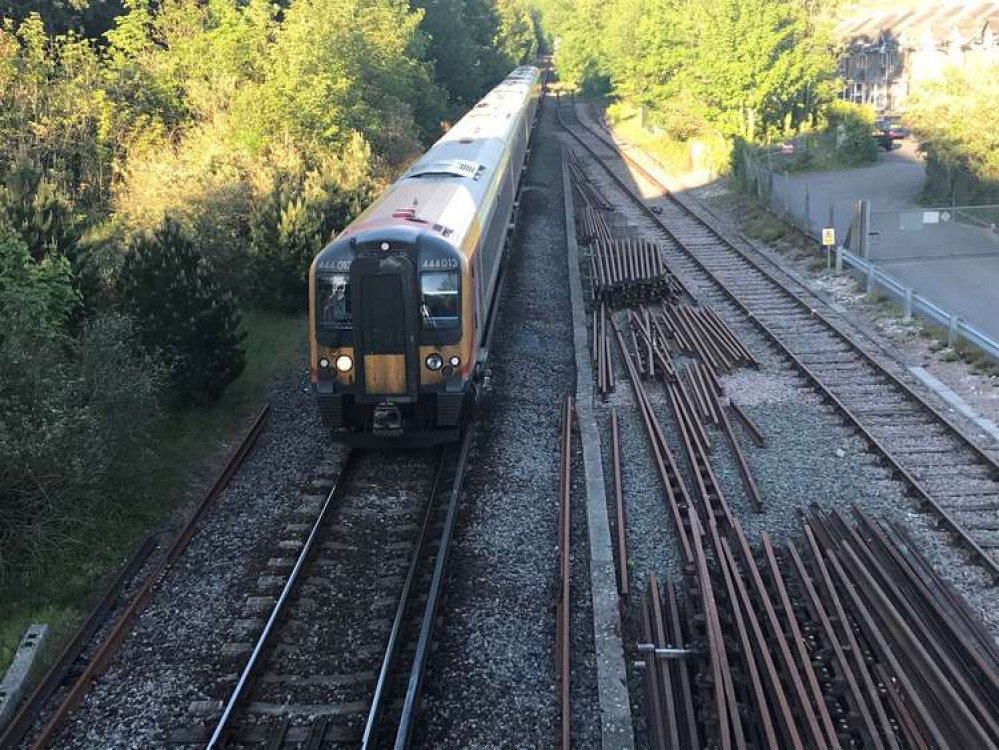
[36, 298]
[38, 212]
[186, 320]
[72, 445]
[853, 125]
[293, 221]
[284, 236]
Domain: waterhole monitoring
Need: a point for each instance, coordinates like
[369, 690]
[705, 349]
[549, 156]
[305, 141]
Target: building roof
[954, 21]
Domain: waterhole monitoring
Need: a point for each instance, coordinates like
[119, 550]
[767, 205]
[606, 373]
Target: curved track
[946, 470]
[341, 657]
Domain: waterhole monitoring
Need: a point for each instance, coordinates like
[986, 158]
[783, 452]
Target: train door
[385, 325]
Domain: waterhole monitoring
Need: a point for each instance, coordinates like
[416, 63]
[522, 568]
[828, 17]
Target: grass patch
[766, 227]
[884, 306]
[73, 581]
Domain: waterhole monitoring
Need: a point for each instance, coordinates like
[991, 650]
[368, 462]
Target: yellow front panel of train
[385, 374]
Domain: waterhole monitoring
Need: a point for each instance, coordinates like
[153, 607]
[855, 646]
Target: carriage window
[334, 301]
[439, 299]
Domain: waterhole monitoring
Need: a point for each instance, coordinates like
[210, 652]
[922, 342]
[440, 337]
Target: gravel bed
[165, 663]
[492, 681]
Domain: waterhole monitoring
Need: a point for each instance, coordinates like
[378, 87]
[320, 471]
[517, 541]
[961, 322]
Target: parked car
[889, 129]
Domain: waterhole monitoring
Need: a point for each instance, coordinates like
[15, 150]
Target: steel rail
[660, 669]
[622, 544]
[411, 701]
[924, 497]
[677, 496]
[218, 737]
[562, 641]
[662, 724]
[850, 638]
[371, 725]
[844, 671]
[116, 635]
[763, 718]
[804, 661]
[749, 424]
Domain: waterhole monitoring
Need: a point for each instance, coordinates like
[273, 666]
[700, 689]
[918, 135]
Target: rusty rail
[843, 637]
[622, 545]
[562, 636]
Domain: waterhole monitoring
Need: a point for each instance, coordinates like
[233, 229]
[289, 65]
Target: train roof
[444, 187]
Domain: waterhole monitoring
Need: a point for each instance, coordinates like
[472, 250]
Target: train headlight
[434, 362]
[344, 363]
[324, 363]
[454, 361]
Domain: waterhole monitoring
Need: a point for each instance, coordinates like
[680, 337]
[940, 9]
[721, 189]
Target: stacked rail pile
[623, 271]
[627, 272]
[845, 638]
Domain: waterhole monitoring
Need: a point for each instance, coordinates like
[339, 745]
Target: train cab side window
[334, 301]
[439, 301]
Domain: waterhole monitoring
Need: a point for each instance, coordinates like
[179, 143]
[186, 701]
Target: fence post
[808, 212]
[870, 277]
[865, 229]
[787, 196]
[952, 330]
[907, 304]
[839, 259]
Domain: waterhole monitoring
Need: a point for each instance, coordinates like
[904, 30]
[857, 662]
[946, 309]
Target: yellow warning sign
[829, 236]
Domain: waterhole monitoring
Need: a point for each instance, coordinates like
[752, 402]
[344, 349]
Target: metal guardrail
[914, 303]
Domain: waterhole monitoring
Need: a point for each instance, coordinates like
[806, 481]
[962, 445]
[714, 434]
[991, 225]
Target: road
[955, 264]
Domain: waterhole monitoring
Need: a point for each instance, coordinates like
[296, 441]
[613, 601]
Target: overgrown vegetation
[167, 169]
[954, 121]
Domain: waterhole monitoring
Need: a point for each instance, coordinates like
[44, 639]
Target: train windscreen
[334, 301]
[439, 308]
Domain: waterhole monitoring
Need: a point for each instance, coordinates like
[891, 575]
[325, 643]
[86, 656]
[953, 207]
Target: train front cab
[393, 347]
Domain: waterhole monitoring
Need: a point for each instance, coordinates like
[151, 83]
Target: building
[889, 52]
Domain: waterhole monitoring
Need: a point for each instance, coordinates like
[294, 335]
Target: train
[400, 301]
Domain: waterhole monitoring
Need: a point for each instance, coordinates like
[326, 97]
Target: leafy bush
[37, 211]
[64, 444]
[953, 119]
[74, 445]
[293, 221]
[36, 298]
[853, 126]
[187, 321]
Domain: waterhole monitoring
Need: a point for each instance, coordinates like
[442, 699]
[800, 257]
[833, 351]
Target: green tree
[748, 68]
[952, 118]
[300, 214]
[186, 320]
[36, 297]
[38, 212]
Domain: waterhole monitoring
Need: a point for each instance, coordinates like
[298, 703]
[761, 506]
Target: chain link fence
[870, 242]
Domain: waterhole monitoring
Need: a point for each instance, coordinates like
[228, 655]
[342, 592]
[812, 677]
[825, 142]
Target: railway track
[946, 470]
[340, 659]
